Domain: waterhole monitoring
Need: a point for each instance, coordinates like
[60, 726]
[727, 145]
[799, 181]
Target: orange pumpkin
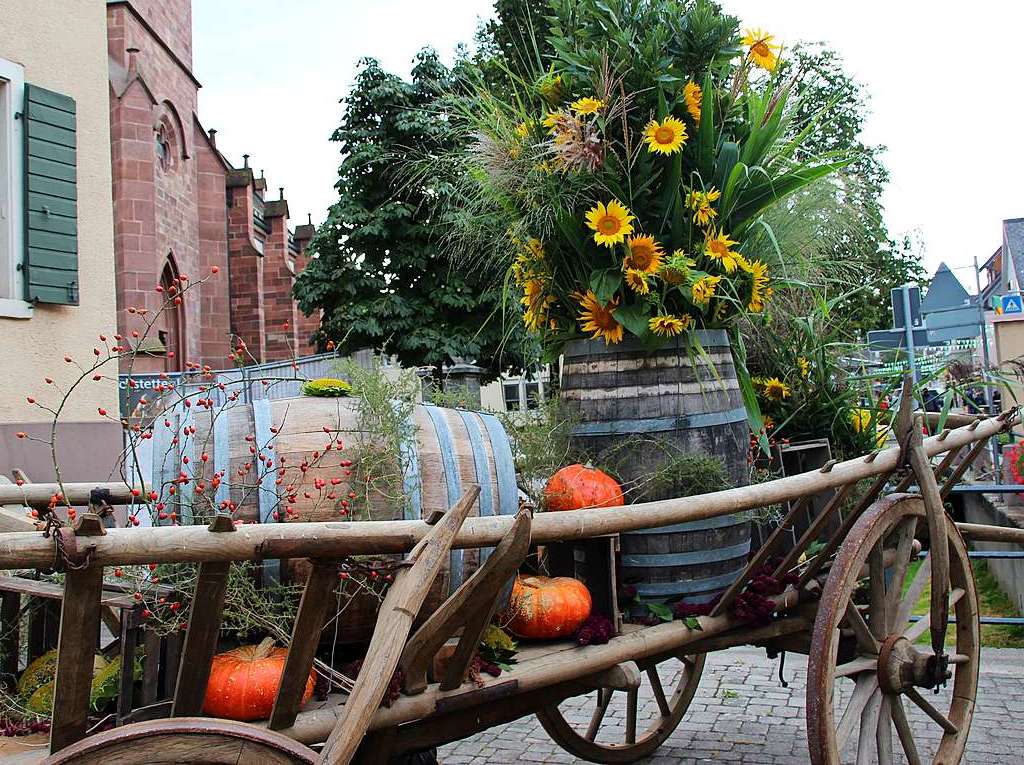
[578, 486]
[244, 681]
[545, 607]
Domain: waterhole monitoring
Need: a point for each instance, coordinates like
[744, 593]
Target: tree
[828, 94]
[515, 42]
[378, 272]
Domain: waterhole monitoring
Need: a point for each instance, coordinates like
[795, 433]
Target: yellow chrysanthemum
[587, 105]
[693, 95]
[599, 320]
[704, 289]
[610, 224]
[701, 203]
[665, 137]
[669, 326]
[760, 291]
[676, 269]
[774, 388]
[644, 255]
[804, 365]
[637, 281]
[718, 247]
[763, 51]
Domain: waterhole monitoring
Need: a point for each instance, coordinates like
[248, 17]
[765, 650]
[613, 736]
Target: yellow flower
[774, 388]
[535, 247]
[693, 95]
[537, 304]
[860, 419]
[700, 202]
[610, 224]
[665, 137]
[550, 88]
[644, 255]
[599, 320]
[676, 270]
[553, 119]
[523, 128]
[760, 292]
[587, 105]
[637, 281]
[669, 326]
[805, 367]
[544, 166]
[717, 247]
[704, 289]
[763, 51]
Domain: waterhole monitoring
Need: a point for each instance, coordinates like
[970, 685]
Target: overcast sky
[944, 89]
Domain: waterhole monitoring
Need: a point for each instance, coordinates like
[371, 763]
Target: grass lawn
[993, 602]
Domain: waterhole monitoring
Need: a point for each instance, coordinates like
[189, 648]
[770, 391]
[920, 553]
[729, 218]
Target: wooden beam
[79, 628]
[984, 533]
[813, 529]
[316, 597]
[201, 639]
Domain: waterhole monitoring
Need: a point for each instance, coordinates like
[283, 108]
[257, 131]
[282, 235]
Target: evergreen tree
[379, 272]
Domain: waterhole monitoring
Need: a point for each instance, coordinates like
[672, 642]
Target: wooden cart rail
[184, 544]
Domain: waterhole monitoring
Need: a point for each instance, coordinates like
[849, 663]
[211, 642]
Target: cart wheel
[198, 740]
[866, 662]
[614, 745]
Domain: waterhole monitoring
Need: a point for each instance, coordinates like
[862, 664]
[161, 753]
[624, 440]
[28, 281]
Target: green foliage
[497, 647]
[541, 443]
[326, 386]
[378, 273]
[668, 471]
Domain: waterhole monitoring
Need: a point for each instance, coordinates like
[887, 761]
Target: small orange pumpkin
[545, 607]
[244, 681]
[579, 486]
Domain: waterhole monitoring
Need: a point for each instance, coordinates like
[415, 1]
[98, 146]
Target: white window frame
[12, 213]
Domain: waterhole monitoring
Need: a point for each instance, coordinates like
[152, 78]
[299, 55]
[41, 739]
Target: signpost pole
[909, 330]
[986, 362]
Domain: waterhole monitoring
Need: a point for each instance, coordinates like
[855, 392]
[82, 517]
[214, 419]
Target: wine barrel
[647, 407]
[443, 451]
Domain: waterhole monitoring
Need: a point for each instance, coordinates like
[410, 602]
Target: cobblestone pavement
[742, 714]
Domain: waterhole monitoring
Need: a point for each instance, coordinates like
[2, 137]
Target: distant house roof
[1013, 252]
[944, 292]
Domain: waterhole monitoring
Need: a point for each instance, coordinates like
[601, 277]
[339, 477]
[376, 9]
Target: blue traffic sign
[1013, 304]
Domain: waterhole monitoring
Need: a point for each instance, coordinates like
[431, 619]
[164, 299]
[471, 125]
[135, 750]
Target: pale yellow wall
[63, 47]
[1009, 337]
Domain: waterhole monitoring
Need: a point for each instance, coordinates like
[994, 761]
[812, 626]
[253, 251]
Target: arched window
[170, 324]
[166, 144]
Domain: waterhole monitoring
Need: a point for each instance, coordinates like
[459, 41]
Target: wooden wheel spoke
[631, 713]
[865, 688]
[913, 593]
[906, 736]
[925, 706]
[884, 731]
[659, 692]
[866, 741]
[865, 638]
[876, 588]
[856, 666]
[604, 697]
[918, 628]
[904, 549]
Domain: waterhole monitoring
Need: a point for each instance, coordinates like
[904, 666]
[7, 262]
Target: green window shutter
[51, 217]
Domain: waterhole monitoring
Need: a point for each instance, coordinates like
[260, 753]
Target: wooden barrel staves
[442, 452]
[644, 408]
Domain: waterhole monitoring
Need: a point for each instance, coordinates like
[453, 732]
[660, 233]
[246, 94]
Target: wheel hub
[902, 667]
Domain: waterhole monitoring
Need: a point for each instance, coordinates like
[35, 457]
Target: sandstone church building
[181, 208]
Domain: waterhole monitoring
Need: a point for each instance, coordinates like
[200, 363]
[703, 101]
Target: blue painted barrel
[442, 451]
[644, 408]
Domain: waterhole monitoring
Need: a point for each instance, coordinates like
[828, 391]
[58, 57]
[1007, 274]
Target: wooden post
[203, 630]
[320, 584]
[79, 628]
[400, 606]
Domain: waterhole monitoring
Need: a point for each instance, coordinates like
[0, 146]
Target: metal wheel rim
[880, 522]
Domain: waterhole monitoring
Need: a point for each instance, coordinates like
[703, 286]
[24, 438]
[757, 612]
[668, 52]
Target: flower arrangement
[330, 387]
[622, 187]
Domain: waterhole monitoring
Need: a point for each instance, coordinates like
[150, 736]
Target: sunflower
[693, 95]
[665, 137]
[669, 326]
[700, 202]
[637, 281]
[704, 289]
[587, 105]
[804, 365]
[763, 51]
[599, 320]
[717, 247]
[610, 224]
[774, 388]
[644, 255]
[537, 303]
[759, 289]
[676, 269]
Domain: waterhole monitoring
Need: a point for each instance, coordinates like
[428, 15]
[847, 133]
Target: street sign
[881, 339]
[1013, 304]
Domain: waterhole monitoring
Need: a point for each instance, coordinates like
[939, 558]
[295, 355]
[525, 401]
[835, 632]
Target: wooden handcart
[848, 605]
